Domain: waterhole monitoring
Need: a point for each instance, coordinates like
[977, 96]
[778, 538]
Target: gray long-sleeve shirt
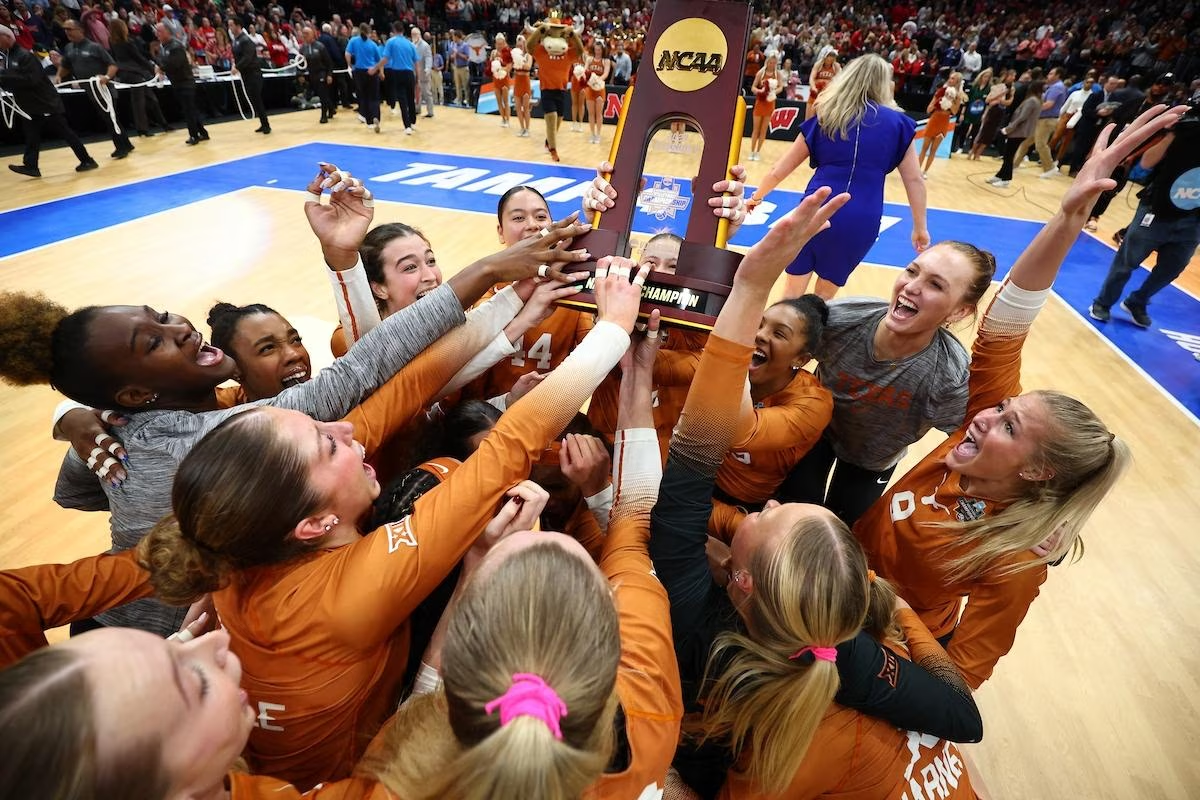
[157, 441]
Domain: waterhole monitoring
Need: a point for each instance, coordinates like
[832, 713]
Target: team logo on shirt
[968, 509]
[891, 668]
[1185, 191]
[400, 533]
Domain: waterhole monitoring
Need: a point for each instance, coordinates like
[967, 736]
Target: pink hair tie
[820, 653]
[529, 696]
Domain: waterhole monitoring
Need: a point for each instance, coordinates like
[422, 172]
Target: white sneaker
[993, 180]
[408, 131]
[1050, 173]
[503, 123]
[363, 119]
[1002, 184]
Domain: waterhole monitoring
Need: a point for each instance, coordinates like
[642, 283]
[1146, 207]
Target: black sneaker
[203, 136]
[86, 166]
[1099, 313]
[193, 140]
[1140, 317]
[21, 169]
[119, 154]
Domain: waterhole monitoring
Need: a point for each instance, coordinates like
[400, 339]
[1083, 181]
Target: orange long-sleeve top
[647, 679]
[35, 599]
[541, 349]
[323, 638]
[674, 368]
[906, 541]
[774, 437]
[856, 757]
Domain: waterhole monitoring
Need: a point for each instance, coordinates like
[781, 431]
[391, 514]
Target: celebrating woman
[768, 83]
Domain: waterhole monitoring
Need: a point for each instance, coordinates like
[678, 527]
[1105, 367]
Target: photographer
[1167, 221]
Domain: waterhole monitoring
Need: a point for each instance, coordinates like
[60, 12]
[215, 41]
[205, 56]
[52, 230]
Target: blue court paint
[475, 184]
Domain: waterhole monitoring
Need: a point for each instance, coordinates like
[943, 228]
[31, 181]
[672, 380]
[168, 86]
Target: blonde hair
[811, 589]
[1083, 460]
[865, 81]
[984, 78]
[542, 611]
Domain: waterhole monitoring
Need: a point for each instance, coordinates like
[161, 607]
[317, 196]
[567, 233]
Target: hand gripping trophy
[691, 72]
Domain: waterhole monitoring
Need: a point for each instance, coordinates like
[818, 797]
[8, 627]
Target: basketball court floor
[1098, 698]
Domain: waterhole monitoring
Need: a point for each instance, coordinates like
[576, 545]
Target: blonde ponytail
[542, 611]
[1084, 461]
[768, 696]
[881, 611]
[180, 570]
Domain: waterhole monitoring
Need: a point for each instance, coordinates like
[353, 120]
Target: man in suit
[173, 62]
[320, 71]
[83, 59]
[1088, 127]
[245, 63]
[21, 73]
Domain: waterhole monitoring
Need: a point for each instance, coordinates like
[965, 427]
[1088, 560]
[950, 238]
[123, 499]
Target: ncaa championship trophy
[691, 71]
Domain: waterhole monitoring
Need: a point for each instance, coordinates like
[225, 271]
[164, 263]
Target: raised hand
[767, 259]
[1096, 174]
[729, 201]
[341, 224]
[618, 299]
[544, 256]
[585, 463]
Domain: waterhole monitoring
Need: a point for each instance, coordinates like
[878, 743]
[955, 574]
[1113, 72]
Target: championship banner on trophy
[690, 72]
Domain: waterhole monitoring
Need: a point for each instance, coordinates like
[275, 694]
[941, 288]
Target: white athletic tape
[107, 417]
[181, 636]
[544, 232]
[543, 269]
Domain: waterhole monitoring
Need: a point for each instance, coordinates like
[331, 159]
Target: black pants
[345, 91]
[851, 491]
[146, 110]
[366, 86]
[186, 95]
[1011, 145]
[324, 92]
[55, 124]
[120, 140]
[254, 89]
[401, 86]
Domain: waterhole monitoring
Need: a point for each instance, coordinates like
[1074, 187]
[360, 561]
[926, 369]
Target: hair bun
[27, 326]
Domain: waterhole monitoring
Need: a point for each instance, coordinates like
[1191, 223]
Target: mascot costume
[555, 45]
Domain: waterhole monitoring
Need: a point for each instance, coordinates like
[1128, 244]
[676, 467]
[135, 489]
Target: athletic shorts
[554, 101]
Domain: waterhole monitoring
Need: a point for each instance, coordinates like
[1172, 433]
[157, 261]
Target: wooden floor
[1100, 697]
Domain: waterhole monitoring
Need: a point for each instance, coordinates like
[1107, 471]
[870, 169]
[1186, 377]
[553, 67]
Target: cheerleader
[769, 81]
[502, 63]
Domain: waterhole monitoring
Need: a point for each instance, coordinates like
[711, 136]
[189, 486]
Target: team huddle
[424, 572]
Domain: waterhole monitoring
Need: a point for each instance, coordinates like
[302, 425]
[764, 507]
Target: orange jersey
[783, 428]
[541, 349]
[905, 542]
[674, 368]
[857, 757]
[553, 71]
[323, 638]
[648, 675]
[35, 599]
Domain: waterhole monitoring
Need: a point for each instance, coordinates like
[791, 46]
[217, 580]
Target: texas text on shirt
[772, 437]
[323, 639]
[35, 599]
[906, 541]
[648, 675]
[856, 757]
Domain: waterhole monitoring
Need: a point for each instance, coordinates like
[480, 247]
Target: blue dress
[857, 164]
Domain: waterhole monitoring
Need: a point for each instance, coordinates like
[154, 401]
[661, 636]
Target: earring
[153, 399]
[330, 527]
